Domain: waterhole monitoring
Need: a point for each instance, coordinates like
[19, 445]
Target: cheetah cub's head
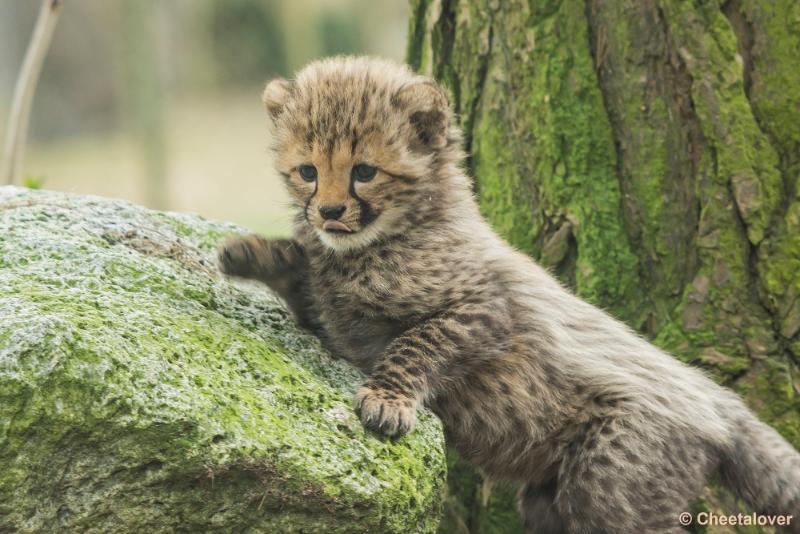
[364, 146]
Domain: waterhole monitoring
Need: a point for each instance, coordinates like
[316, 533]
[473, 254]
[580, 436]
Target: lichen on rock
[141, 390]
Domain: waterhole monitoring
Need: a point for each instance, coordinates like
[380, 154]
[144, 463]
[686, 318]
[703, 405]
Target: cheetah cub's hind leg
[625, 476]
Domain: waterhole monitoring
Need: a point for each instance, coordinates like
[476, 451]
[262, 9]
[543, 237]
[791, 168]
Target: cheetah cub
[394, 268]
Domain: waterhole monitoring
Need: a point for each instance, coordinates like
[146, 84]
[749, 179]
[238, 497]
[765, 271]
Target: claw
[384, 414]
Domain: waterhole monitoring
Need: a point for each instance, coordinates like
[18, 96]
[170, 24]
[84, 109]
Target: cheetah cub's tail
[762, 468]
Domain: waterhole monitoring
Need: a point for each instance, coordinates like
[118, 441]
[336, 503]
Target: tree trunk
[647, 151]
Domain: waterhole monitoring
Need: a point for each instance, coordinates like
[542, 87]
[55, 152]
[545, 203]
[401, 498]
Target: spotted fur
[604, 431]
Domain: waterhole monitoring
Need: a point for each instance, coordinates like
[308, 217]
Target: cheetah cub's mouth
[335, 226]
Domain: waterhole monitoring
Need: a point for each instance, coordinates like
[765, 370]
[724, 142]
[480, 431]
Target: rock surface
[141, 390]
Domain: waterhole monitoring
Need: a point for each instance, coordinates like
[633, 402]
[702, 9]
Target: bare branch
[19, 116]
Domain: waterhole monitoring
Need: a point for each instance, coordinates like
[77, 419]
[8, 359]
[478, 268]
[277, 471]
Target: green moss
[742, 199]
[779, 269]
[770, 386]
[771, 40]
[546, 157]
[140, 389]
[746, 163]
[501, 190]
[416, 33]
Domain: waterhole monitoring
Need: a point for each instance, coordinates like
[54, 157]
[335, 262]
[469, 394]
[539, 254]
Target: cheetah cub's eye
[307, 172]
[363, 172]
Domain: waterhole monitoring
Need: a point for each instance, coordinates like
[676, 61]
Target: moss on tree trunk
[648, 152]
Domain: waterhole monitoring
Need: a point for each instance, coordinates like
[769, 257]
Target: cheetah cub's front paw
[385, 412]
[235, 256]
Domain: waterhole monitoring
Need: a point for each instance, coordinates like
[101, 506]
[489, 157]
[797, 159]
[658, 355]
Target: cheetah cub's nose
[331, 214]
[331, 211]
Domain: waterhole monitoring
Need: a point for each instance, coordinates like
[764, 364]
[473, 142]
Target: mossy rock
[140, 390]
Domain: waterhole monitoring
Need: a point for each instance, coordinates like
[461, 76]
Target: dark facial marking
[308, 201]
[367, 214]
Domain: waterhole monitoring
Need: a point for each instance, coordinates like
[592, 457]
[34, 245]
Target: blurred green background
[158, 101]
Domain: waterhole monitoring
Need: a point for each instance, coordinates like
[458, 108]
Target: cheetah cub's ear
[275, 96]
[428, 110]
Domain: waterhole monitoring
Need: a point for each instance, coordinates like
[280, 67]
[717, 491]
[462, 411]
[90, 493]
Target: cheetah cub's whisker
[394, 268]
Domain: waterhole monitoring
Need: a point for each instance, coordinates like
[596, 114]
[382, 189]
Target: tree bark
[648, 152]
